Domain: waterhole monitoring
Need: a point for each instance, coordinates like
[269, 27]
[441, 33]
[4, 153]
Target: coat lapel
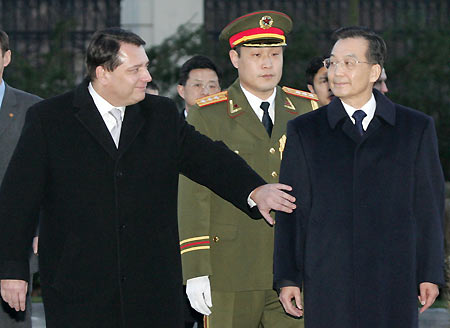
[90, 118]
[244, 114]
[132, 124]
[284, 112]
[8, 109]
[337, 113]
[384, 112]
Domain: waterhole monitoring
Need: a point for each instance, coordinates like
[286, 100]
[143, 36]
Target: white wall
[155, 20]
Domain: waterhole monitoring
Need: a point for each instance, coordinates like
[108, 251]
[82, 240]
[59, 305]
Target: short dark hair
[313, 67]
[196, 62]
[376, 52]
[4, 42]
[104, 48]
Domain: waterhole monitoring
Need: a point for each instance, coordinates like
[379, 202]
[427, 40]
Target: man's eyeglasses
[348, 63]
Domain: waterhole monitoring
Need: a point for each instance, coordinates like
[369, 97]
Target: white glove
[198, 291]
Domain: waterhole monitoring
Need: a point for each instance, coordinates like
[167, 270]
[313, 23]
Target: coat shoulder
[54, 104]
[300, 93]
[25, 96]
[208, 101]
[413, 118]
[212, 107]
[411, 112]
[302, 97]
[158, 104]
[311, 118]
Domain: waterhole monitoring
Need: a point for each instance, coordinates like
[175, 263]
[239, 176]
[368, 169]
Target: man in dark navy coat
[102, 163]
[365, 241]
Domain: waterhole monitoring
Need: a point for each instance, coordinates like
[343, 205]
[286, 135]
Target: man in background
[317, 81]
[381, 85]
[152, 88]
[199, 77]
[14, 104]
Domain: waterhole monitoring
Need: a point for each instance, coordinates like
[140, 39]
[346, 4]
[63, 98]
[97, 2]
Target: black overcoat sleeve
[214, 165]
[290, 229]
[25, 181]
[429, 208]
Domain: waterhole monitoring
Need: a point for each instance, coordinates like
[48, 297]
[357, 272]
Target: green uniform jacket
[217, 239]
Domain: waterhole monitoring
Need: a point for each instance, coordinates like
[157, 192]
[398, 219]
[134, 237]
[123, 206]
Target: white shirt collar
[104, 107]
[255, 103]
[368, 108]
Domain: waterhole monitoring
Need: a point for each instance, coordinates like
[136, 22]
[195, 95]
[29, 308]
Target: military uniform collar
[255, 103]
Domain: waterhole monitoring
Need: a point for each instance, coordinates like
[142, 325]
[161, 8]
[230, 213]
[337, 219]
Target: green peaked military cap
[266, 28]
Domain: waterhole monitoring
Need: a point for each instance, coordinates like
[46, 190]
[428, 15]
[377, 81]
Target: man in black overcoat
[102, 164]
[365, 242]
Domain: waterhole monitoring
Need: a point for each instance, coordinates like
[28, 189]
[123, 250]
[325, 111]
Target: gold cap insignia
[266, 22]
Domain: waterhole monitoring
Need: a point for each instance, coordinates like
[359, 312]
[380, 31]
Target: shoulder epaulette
[213, 99]
[300, 93]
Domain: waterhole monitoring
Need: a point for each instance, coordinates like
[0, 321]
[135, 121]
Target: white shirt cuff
[250, 201]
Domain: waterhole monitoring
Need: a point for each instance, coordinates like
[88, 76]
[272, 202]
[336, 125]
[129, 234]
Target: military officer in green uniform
[227, 256]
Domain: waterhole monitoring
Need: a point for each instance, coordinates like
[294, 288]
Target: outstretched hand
[272, 197]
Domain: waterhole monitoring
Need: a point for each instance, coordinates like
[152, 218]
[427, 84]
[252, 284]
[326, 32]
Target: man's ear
[234, 57]
[180, 89]
[6, 58]
[311, 88]
[101, 74]
[375, 73]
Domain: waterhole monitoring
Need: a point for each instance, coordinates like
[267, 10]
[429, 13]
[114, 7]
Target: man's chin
[139, 97]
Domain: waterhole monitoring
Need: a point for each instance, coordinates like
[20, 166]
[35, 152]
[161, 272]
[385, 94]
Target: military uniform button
[236, 151]
[216, 239]
[274, 174]
[272, 150]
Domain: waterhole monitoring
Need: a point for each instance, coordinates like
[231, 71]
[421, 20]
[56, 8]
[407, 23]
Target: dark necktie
[358, 116]
[266, 121]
